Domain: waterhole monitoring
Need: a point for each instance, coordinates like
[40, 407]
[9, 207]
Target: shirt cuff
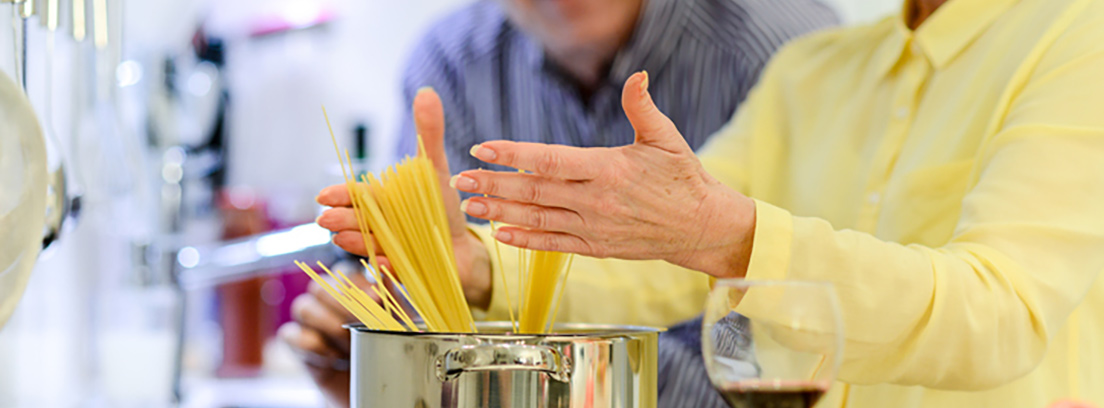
[770, 261]
[772, 245]
[499, 309]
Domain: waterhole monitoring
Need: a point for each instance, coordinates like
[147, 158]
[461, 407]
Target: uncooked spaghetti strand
[378, 281]
[419, 241]
[442, 269]
[522, 287]
[397, 308]
[505, 286]
[402, 290]
[545, 269]
[392, 246]
[359, 297]
[389, 299]
[334, 138]
[562, 289]
[346, 285]
[367, 319]
[362, 223]
[350, 186]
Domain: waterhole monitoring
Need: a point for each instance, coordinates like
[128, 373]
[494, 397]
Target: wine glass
[772, 344]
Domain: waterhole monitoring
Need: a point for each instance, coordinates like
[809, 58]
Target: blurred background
[191, 136]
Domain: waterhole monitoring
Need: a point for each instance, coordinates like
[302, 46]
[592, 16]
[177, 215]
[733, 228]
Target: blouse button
[874, 198]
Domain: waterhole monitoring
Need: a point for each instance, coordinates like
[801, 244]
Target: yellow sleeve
[1029, 241]
[608, 291]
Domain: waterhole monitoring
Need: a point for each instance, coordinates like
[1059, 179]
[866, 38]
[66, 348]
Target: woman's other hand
[648, 200]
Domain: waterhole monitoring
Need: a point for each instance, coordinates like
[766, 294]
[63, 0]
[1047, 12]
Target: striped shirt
[702, 56]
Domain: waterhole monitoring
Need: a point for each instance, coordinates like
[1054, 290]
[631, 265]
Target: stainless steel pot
[579, 366]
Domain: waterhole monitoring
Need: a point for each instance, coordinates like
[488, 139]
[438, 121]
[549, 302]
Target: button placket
[902, 111]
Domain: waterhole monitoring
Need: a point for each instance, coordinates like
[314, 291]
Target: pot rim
[574, 330]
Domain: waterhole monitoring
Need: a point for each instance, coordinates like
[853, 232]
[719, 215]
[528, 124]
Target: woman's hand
[473, 261]
[648, 200]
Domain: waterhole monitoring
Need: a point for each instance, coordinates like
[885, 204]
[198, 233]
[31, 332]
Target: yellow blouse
[948, 181]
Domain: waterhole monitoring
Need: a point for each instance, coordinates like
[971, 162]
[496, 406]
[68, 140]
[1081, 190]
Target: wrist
[479, 285]
[728, 233]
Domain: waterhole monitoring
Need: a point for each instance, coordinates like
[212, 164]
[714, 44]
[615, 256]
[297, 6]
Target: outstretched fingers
[524, 215]
[522, 187]
[557, 161]
[334, 196]
[546, 241]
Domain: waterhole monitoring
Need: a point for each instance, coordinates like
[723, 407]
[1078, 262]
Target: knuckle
[547, 243]
[489, 185]
[531, 192]
[538, 218]
[520, 239]
[569, 244]
[507, 156]
[494, 209]
[587, 247]
[548, 163]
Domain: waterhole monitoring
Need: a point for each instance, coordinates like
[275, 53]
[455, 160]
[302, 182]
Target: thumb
[652, 126]
[429, 120]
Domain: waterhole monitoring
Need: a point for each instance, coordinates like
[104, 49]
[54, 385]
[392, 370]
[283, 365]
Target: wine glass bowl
[772, 344]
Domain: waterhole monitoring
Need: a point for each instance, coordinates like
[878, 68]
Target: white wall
[861, 11]
[279, 141]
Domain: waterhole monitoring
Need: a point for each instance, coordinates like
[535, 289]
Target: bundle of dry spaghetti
[404, 210]
[542, 275]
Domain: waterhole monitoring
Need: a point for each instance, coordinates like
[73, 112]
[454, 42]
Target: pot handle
[503, 357]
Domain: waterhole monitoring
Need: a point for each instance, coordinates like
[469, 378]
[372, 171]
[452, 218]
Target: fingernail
[474, 208]
[504, 236]
[483, 153]
[317, 218]
[644, 83]
[424, 89]
[461, 182]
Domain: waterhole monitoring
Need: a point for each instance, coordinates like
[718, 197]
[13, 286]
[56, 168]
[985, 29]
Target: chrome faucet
[208, 265]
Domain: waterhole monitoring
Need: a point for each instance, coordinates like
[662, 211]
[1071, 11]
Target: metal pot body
[578, 366]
